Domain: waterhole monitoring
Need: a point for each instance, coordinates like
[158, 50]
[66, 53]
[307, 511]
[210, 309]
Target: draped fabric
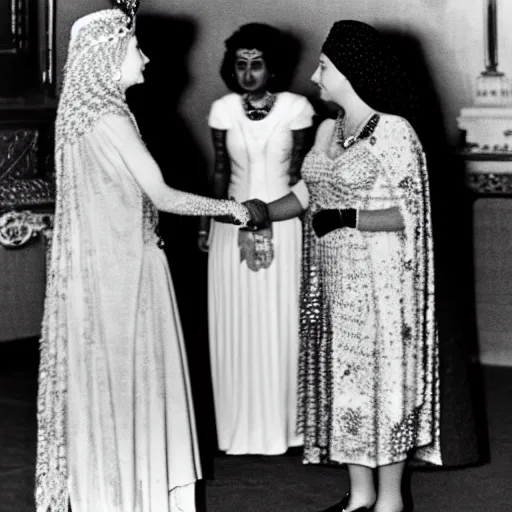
[114, 411]
[78, 109]
[115, 420]
[368, 367]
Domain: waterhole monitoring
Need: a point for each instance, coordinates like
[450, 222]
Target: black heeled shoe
[343, 504]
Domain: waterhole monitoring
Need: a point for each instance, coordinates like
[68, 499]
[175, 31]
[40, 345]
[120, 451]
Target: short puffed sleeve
[219, 118]
[303, 114]
[301, 193]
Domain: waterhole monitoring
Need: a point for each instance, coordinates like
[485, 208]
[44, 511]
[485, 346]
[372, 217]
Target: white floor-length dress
[116, 420]
[253, 316]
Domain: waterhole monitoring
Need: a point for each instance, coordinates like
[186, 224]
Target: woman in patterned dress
[259, 133]
[116, 428]
[368, 381]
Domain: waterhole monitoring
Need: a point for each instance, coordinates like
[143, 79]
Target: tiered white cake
[488, 124]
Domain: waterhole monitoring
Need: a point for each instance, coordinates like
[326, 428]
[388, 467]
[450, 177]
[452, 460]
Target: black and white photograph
[255, 256]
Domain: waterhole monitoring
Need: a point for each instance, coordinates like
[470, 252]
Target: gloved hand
[325, 221]
[259, 213]
[228, 219]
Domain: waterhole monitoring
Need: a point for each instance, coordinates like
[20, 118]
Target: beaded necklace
[258, 113]
[364, 130]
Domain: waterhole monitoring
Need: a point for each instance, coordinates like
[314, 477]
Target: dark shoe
[407, 491]
[343, 504]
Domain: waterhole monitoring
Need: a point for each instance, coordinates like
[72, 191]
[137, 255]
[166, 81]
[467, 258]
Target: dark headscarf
[361, 54]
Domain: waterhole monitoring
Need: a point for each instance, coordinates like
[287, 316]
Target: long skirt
[254, 336]
[132, 440]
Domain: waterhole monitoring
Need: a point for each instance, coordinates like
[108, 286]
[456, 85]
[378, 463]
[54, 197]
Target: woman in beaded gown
[368, 370]
[259, 134]
[116, 429]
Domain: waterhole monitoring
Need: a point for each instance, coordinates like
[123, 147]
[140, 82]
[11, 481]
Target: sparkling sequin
[368, 383]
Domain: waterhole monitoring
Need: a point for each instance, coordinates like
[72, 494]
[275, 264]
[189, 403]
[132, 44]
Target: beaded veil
[91, 88]
[97, 47]
[103, 223]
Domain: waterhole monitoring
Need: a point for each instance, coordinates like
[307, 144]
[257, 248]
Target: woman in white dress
[260, 133]
[116, 429]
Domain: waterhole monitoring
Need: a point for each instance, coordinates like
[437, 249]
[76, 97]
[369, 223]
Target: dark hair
[278, 53]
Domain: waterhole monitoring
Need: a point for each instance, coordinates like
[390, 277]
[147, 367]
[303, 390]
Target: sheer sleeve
[132, 152]
[222, 165]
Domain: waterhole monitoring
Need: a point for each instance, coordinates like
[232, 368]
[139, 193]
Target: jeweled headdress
[129, 7]
[91, 89]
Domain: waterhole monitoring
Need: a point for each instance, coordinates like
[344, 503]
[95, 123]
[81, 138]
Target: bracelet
[202, 232]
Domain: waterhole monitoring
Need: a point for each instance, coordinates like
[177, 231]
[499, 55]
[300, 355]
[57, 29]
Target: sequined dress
[254, 316]
[369, 392]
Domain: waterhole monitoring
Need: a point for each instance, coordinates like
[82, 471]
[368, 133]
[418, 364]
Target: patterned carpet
[257, 484]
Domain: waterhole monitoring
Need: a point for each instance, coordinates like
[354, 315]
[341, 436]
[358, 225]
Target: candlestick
[491, 47]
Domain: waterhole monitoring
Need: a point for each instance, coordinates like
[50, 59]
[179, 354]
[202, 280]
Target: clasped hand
[258, 212]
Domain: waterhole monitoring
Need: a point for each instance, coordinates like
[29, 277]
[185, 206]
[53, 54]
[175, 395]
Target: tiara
[249, 54]
[129, 7]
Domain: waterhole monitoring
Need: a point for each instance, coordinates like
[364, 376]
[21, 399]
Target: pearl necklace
[364, 130]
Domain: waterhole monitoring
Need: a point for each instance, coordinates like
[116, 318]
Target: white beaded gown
[116, 427]
[253, 316]
[129, 439]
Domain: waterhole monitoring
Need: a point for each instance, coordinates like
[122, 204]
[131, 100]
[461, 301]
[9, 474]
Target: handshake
[258, 213]
[322, 222]
[255, 238]
[258, 210]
